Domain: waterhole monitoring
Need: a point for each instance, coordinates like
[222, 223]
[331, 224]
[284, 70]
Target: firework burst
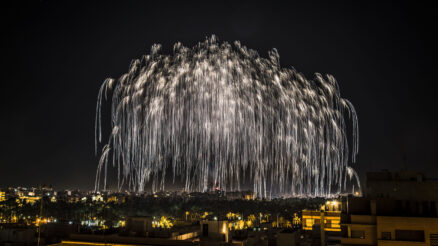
[216, 112]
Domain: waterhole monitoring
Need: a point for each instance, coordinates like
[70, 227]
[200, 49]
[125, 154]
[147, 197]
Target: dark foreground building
[399, 208]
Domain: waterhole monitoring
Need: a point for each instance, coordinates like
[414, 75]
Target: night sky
[55, 55]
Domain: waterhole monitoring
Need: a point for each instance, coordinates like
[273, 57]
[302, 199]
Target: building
[401, 185]
[27, 197]
[116, 198]
[139, 231]
[330, 213]
[398, 209]
[214, 230]
[407, 231]
[359, 222]
[385, 221]
[2, 196]
[139, 225]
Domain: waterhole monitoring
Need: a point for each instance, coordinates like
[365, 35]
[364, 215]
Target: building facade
[330, 213]
[398, 209]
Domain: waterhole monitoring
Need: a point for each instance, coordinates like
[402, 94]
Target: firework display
[219, 114]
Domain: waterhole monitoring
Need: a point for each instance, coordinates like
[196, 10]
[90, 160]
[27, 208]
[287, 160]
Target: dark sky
[55, 55]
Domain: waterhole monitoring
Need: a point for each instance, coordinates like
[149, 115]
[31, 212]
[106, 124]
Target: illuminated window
[336, 224]
[309, 222]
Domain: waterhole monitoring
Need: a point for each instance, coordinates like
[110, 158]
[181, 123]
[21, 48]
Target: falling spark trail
[216, 112]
